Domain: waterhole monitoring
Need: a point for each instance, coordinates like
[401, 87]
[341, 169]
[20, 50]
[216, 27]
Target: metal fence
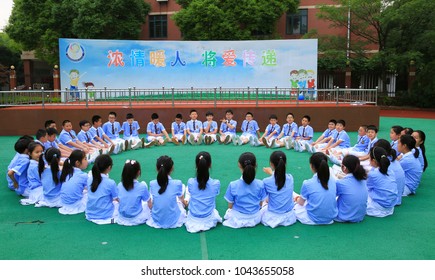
[132, 97]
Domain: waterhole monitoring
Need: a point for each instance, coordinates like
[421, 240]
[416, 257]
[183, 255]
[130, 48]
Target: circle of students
[369, 178]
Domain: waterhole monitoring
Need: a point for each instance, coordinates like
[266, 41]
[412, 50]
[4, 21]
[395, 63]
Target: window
[297, 23]
[158, 26]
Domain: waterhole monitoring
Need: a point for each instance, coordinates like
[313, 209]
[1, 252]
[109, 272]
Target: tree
[231, 20]
[38, 24]
[10, 53]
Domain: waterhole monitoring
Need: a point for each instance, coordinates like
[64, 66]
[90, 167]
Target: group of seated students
[369, 178]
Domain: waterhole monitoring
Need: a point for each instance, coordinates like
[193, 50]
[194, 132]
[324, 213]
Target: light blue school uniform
[289, 128]
[178, 128]
[344, 137]
[382, 188]
[227, 130]
[194, 126]
[33, 175]
[371, 144]
[130, 202]
[72, 188]
[50, 189]
[413, 171]
[96, 131]
[20, 168]
[130, 130]
[395, 146]
[67, 137]
[330, 133]
[250, 128]
[352, 199]
[280, 201]
[246, 198]
[155, 128]
[49, 144]
[112, 130]
[271, 128]
[11, 164]
[321, 204]
[361, 144]
[203, 202]
[399, 175]
[100, 203]
[305, 132]
[165, 211]
[85, 136]
[213, 126]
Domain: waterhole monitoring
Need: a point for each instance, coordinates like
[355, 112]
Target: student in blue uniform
[340, 140]
[420, 138]
[168, 197]
[156, 132]
[410, 164]
[98, 134]
[68, 137]
[381, 185]
[194, 129]
[323, 140]
[305, 134]
[178, 130]
[112, 128]
[227, 129]
[250, 130]
[352, 191]
[395, 133]
[279, 190]
[131, 133]
[395, 167]
[73, 194]
[35, 185]
[210, 128]
[270, 133]
[134, 198]
[17, 171]
[51, 184]
[203, 190]
[20, 148]
[102, 205]
[245, 195]
[289, 132]
[317, 204]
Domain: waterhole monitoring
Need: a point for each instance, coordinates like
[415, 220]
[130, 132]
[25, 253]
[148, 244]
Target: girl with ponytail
[317, 204]
[168, 197]
[420, 138]
[245, 195]
[134, 199]
[352, 191]
[410, 163]
[74, 182]
[203, 190]
[102, 205]
[279, 189]
[395, 169]
[381, 185]
[34, 189]
[51, 184]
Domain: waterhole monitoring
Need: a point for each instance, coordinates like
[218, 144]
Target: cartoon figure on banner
[74, 77]
[91, 90]
[302, 83]
[311, 82]
[294, 82]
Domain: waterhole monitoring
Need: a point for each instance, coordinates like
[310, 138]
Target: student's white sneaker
[240, 141]
[136, 145]
[235, 140]
[191, 139]
[334, 160]
[308, 147]
[200, 138]
[287, 143]
[296, 146]
[273, 144]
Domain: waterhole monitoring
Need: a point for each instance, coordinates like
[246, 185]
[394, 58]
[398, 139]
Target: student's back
[280, 201]
[246, 197]
[352, 199]
[100, 203]
[399, 176]
[72, 188]
[203, 202]
[413, 171]
[130, 202]
[165, 211]
[382, 188]
[51, 189]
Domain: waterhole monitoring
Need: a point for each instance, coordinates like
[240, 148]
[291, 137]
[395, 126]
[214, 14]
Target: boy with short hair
[99, 136]
[323, 140]
[53, 142]
[305, 134]
[65, 150]
[250, 130]
[112, 128]
[228, 129]
[41, 136]
[270, 133]
[210, 128]
[341, 139]
[17, 169]
[178, 130]
[194, 129]
[156, 131]
[68, 137]
[288, 133]
[131, 132]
